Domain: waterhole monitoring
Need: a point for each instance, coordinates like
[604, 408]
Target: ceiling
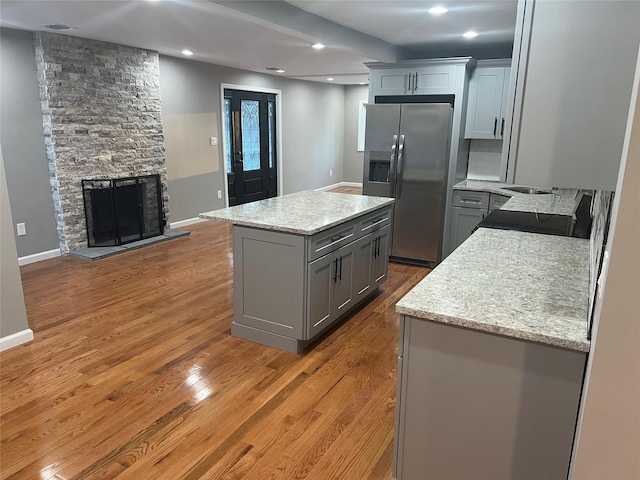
[255, 35]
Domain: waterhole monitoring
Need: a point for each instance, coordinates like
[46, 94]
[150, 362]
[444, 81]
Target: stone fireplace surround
[101, 115]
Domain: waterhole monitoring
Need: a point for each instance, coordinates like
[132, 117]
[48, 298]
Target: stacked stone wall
[101, 119]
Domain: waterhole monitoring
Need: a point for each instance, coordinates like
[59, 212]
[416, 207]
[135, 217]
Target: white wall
[353, 159]
[608, 438]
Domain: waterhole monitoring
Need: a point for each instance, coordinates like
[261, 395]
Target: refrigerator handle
[393, 165]
[398, 182]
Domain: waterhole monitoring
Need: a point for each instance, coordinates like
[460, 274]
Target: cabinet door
[434, 80]
[389, 81]
[320, 284]
[343, 286]
[504, 102]
[362, 277]
[485, 101]
[463, 221]
[381, 258]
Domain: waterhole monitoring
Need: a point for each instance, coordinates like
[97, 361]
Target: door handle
[399, 174]
[335, 275]
[378, 247]
[502, 128]
[375, 240]
[410, 78]
[340, 277]
[394, 152]
[495, 125]
[415, 81]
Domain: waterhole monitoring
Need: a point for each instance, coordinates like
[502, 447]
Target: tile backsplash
[484, 160]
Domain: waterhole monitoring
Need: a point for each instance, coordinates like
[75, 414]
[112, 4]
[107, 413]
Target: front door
[250, 151]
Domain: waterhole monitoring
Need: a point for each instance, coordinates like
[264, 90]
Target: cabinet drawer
[329, 240]
[496, 201]
[374, 220]
[463, 198]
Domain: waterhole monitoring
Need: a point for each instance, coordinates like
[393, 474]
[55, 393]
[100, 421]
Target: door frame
[225, 140]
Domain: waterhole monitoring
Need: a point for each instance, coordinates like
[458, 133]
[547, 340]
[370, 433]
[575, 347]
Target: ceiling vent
[58, 26]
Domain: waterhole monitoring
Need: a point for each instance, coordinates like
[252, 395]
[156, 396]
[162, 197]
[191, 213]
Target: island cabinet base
[290, 288]
[473, 405]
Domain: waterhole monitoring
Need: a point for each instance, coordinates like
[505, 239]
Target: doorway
[250, 147]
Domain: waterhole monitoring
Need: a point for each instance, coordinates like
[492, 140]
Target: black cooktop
[550, 224]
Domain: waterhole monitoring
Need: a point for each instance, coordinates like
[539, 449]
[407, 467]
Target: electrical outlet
[331, 173]
[22, 229]
[219, 194]
[213, 141]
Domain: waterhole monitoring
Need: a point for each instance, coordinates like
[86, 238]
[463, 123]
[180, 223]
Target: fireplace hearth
[122, 210]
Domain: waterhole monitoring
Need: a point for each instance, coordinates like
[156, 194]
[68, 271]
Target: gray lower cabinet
[463, 221]
[288, 288]
[473, 405]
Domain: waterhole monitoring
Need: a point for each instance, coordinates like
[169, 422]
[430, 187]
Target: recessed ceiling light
[437, 10]
[58, 26]
[275, 69]
[470, 34]
[330, 79]
[318, 46]
[188, 53]
[280, 70]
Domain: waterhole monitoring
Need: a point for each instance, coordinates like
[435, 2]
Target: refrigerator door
[380, 148]
[423, 157]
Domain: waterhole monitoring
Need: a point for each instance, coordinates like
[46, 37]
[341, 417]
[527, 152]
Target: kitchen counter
[522, 285]
[303, 213]
[557, 201]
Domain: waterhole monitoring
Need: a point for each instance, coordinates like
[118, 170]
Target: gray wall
[312, 132]
[23, 144]
[353, 160]
[13, 315]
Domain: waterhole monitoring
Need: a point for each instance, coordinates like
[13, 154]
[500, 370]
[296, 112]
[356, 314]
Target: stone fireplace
[101, 119]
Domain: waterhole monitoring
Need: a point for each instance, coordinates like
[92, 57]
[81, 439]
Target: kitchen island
[493, 346]
[302, 261]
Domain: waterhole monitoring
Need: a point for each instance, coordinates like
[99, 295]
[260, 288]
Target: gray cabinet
[496, 201]
[469, 208]
[424, 77]
[476, 405]
[487, 107]
[571, 98]
[289, 288]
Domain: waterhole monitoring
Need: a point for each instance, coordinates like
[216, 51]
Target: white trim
[337, 185]
[188, 221]
[38, 257]
[362, 124]
[16, 339]
[278, 94]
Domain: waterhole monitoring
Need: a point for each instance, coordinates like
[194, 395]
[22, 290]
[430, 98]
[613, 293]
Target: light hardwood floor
[133, 374]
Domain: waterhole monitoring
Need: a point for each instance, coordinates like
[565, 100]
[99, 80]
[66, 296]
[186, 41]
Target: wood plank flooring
[133, 374]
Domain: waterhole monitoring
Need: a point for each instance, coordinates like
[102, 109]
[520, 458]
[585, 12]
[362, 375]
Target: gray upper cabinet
[572, 91]
[487, 107]
[425, 77]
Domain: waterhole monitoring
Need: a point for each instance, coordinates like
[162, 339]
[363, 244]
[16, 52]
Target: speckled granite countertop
[522, 285]
[558, 201]
[304, 213]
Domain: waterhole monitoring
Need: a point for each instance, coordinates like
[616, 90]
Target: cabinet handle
[339, 237]
[335, 276]
[410, 78]
[378, 247]
[415, 81]
[467, 200]
[502, 128]
[495, 125]
[375, 245]
[340, 277]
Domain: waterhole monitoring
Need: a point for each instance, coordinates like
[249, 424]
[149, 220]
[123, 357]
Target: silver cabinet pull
[399, 174]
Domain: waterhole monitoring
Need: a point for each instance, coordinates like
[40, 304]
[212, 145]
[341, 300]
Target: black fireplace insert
[122, 210]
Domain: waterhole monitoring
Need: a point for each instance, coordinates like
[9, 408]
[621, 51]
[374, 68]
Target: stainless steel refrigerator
[407, 158]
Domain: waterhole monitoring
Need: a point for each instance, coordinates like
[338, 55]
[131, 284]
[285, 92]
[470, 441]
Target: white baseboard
[16, 339]
[188, 221]
[339, 184]
[38, 257]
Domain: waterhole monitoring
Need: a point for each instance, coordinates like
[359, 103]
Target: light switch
[22, 229]
[213, 141]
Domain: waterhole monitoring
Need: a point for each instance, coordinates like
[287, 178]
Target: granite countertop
[304, 213]
[522, 285]
[557, 201]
